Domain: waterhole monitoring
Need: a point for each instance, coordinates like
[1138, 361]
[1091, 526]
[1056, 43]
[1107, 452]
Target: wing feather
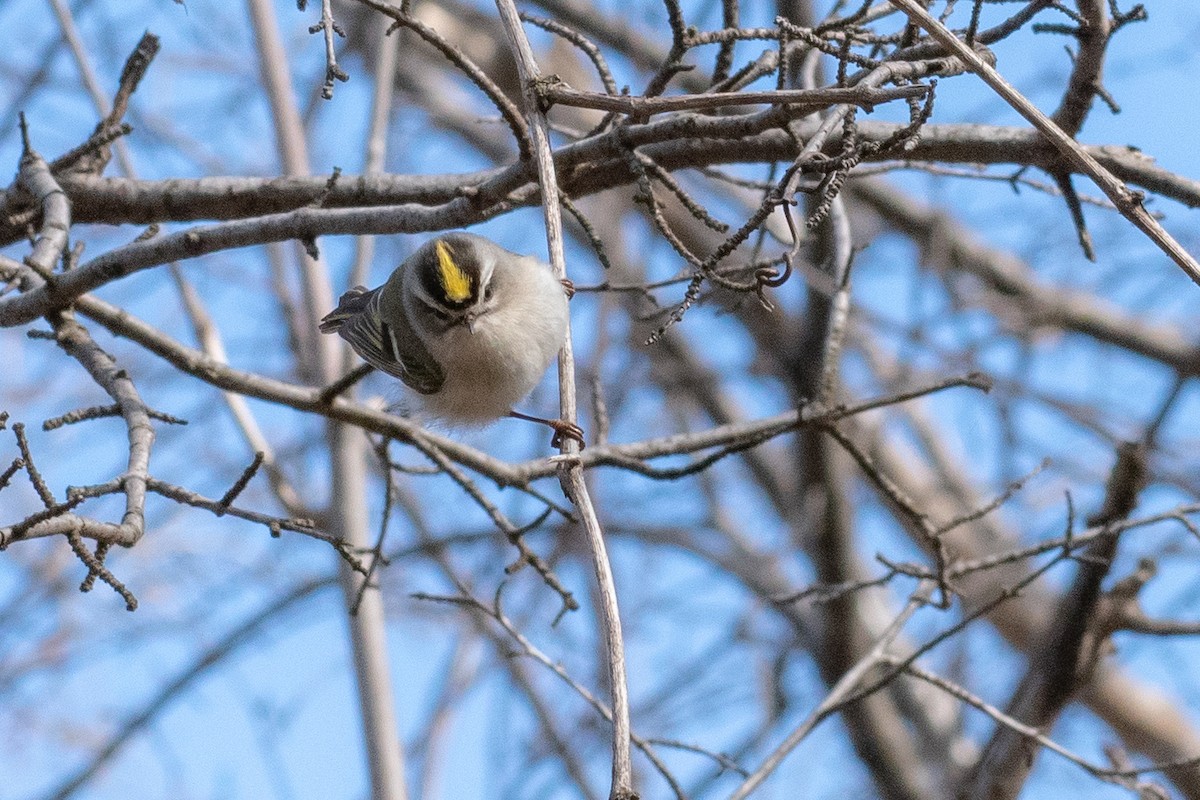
[393, 348]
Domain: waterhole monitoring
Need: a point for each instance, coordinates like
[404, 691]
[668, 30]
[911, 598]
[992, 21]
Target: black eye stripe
[443, 319]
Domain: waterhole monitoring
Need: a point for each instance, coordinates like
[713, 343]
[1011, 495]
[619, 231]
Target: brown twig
[455, 56]
[1128, 202]
[641, 107]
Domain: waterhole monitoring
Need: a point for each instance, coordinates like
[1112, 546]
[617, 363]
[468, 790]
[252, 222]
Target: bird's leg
[560, 426]
[568, 287]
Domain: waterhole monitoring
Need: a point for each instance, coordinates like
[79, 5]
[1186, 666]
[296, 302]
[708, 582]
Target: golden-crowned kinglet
[464, 322]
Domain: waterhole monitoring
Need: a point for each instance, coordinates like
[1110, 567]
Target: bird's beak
[469, 320]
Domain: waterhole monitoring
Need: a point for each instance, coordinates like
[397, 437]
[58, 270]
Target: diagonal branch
[842, 691]
[1128, 202]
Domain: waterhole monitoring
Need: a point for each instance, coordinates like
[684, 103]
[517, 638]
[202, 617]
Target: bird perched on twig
[468, 325]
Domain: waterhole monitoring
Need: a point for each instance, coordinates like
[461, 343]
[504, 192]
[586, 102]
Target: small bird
[467, 324]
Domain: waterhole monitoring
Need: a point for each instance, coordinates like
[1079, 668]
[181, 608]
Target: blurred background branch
[855, 355]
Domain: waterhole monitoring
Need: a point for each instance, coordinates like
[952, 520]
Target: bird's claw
[565, 430]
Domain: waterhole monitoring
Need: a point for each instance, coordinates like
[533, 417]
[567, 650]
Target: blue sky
[279, 718]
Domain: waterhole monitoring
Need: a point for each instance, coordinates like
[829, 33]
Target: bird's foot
[562, 429]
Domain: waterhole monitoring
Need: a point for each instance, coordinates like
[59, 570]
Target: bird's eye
[488, 291]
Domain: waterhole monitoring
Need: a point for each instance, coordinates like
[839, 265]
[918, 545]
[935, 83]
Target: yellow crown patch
[456, 282]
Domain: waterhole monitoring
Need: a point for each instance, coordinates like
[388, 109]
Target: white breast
[490, 370]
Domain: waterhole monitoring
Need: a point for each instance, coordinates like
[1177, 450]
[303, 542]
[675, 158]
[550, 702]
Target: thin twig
[838, 695]
[328, 26]
[1127, 201]
[572, 474]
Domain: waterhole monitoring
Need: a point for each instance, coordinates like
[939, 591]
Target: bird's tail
[351, 303]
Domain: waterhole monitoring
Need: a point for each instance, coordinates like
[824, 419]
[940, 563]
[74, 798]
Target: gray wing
[393, 348]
